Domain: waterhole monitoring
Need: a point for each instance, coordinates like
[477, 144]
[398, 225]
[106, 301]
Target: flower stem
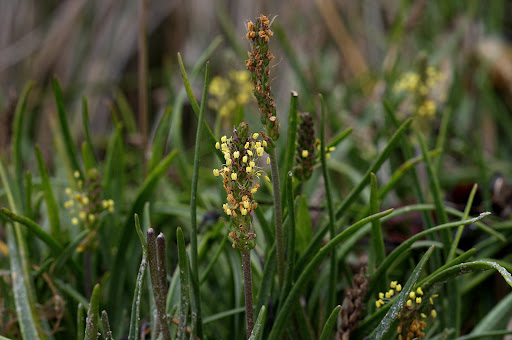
[278, 215]
[249, 312]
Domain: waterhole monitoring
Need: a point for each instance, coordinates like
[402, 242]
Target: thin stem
[278, 215]
[249, 312]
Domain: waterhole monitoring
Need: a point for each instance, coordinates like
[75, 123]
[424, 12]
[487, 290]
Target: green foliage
[383, 192]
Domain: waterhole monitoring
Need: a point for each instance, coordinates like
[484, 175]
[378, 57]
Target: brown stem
[249, 312]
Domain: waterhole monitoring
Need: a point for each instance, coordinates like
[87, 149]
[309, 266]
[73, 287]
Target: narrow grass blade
[128, 117]
[290, 260]
[93, 315]
[17, 156]
[292, 133]
[339, 138]
[225, 314]
[107, 333]
[326, 331]
[214, 259]
[351, 197]
[184, 285]
[465, 268]
[34, 228]
[458, 235]
[377, 251]
[392, 313]
[80, 330]
[435, 189]
[64, 126]
[88, 140]
[258, 324]
[373, 168]
[52, 207]
[299, 286]
[160, 139]
[331, 290]
[133, 333]
[193, 202]
[26, 319]
[143, 195]
[485, 335]
[406, 244]
[195, 107]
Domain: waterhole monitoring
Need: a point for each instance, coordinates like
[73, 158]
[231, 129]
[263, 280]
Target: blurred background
[352, 52]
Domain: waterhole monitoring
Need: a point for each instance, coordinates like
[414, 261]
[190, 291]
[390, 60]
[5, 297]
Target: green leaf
[64, 126]
[91, 160]
[326, 331]
[21, 296]
[299, 286]
[19, 115]
[184, 284]
[52, 207]
[139, 283]
[304, 226]
[392, 313]
[259, 322]
[92, 320]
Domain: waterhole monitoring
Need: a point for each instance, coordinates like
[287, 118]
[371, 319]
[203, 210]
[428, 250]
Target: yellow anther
[217, 145]
[433, 313]
[409, 303]
[216, 172]
[248, 169]
[74, 221]
[305, 153]
[244, 159]
[236, 154]
[423, 315]
[68, 191]
[247, 205]
[259, 151]
[243, 211]
[381, 295]
[252, 164]
[268, 160]
[76, 174]
[234, 176]
[393, 284]
[412, 295]
[246, 146]
[418, 300]
[398, 287]
[224, 139]
[258, 144]
[419, 291]
[264, 143]
[391, 292]
[254, 190]
[268, 179]
[229, 161]
[249, 152]
[255, 135]
[82, 215]
[91, 217]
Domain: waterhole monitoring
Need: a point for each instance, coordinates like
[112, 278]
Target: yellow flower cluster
[421, 86]
[242, 154]
[83, 203]
[228, 94]
[412, 316]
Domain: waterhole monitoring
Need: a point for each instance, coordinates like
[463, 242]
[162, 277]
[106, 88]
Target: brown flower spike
[258, 34]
